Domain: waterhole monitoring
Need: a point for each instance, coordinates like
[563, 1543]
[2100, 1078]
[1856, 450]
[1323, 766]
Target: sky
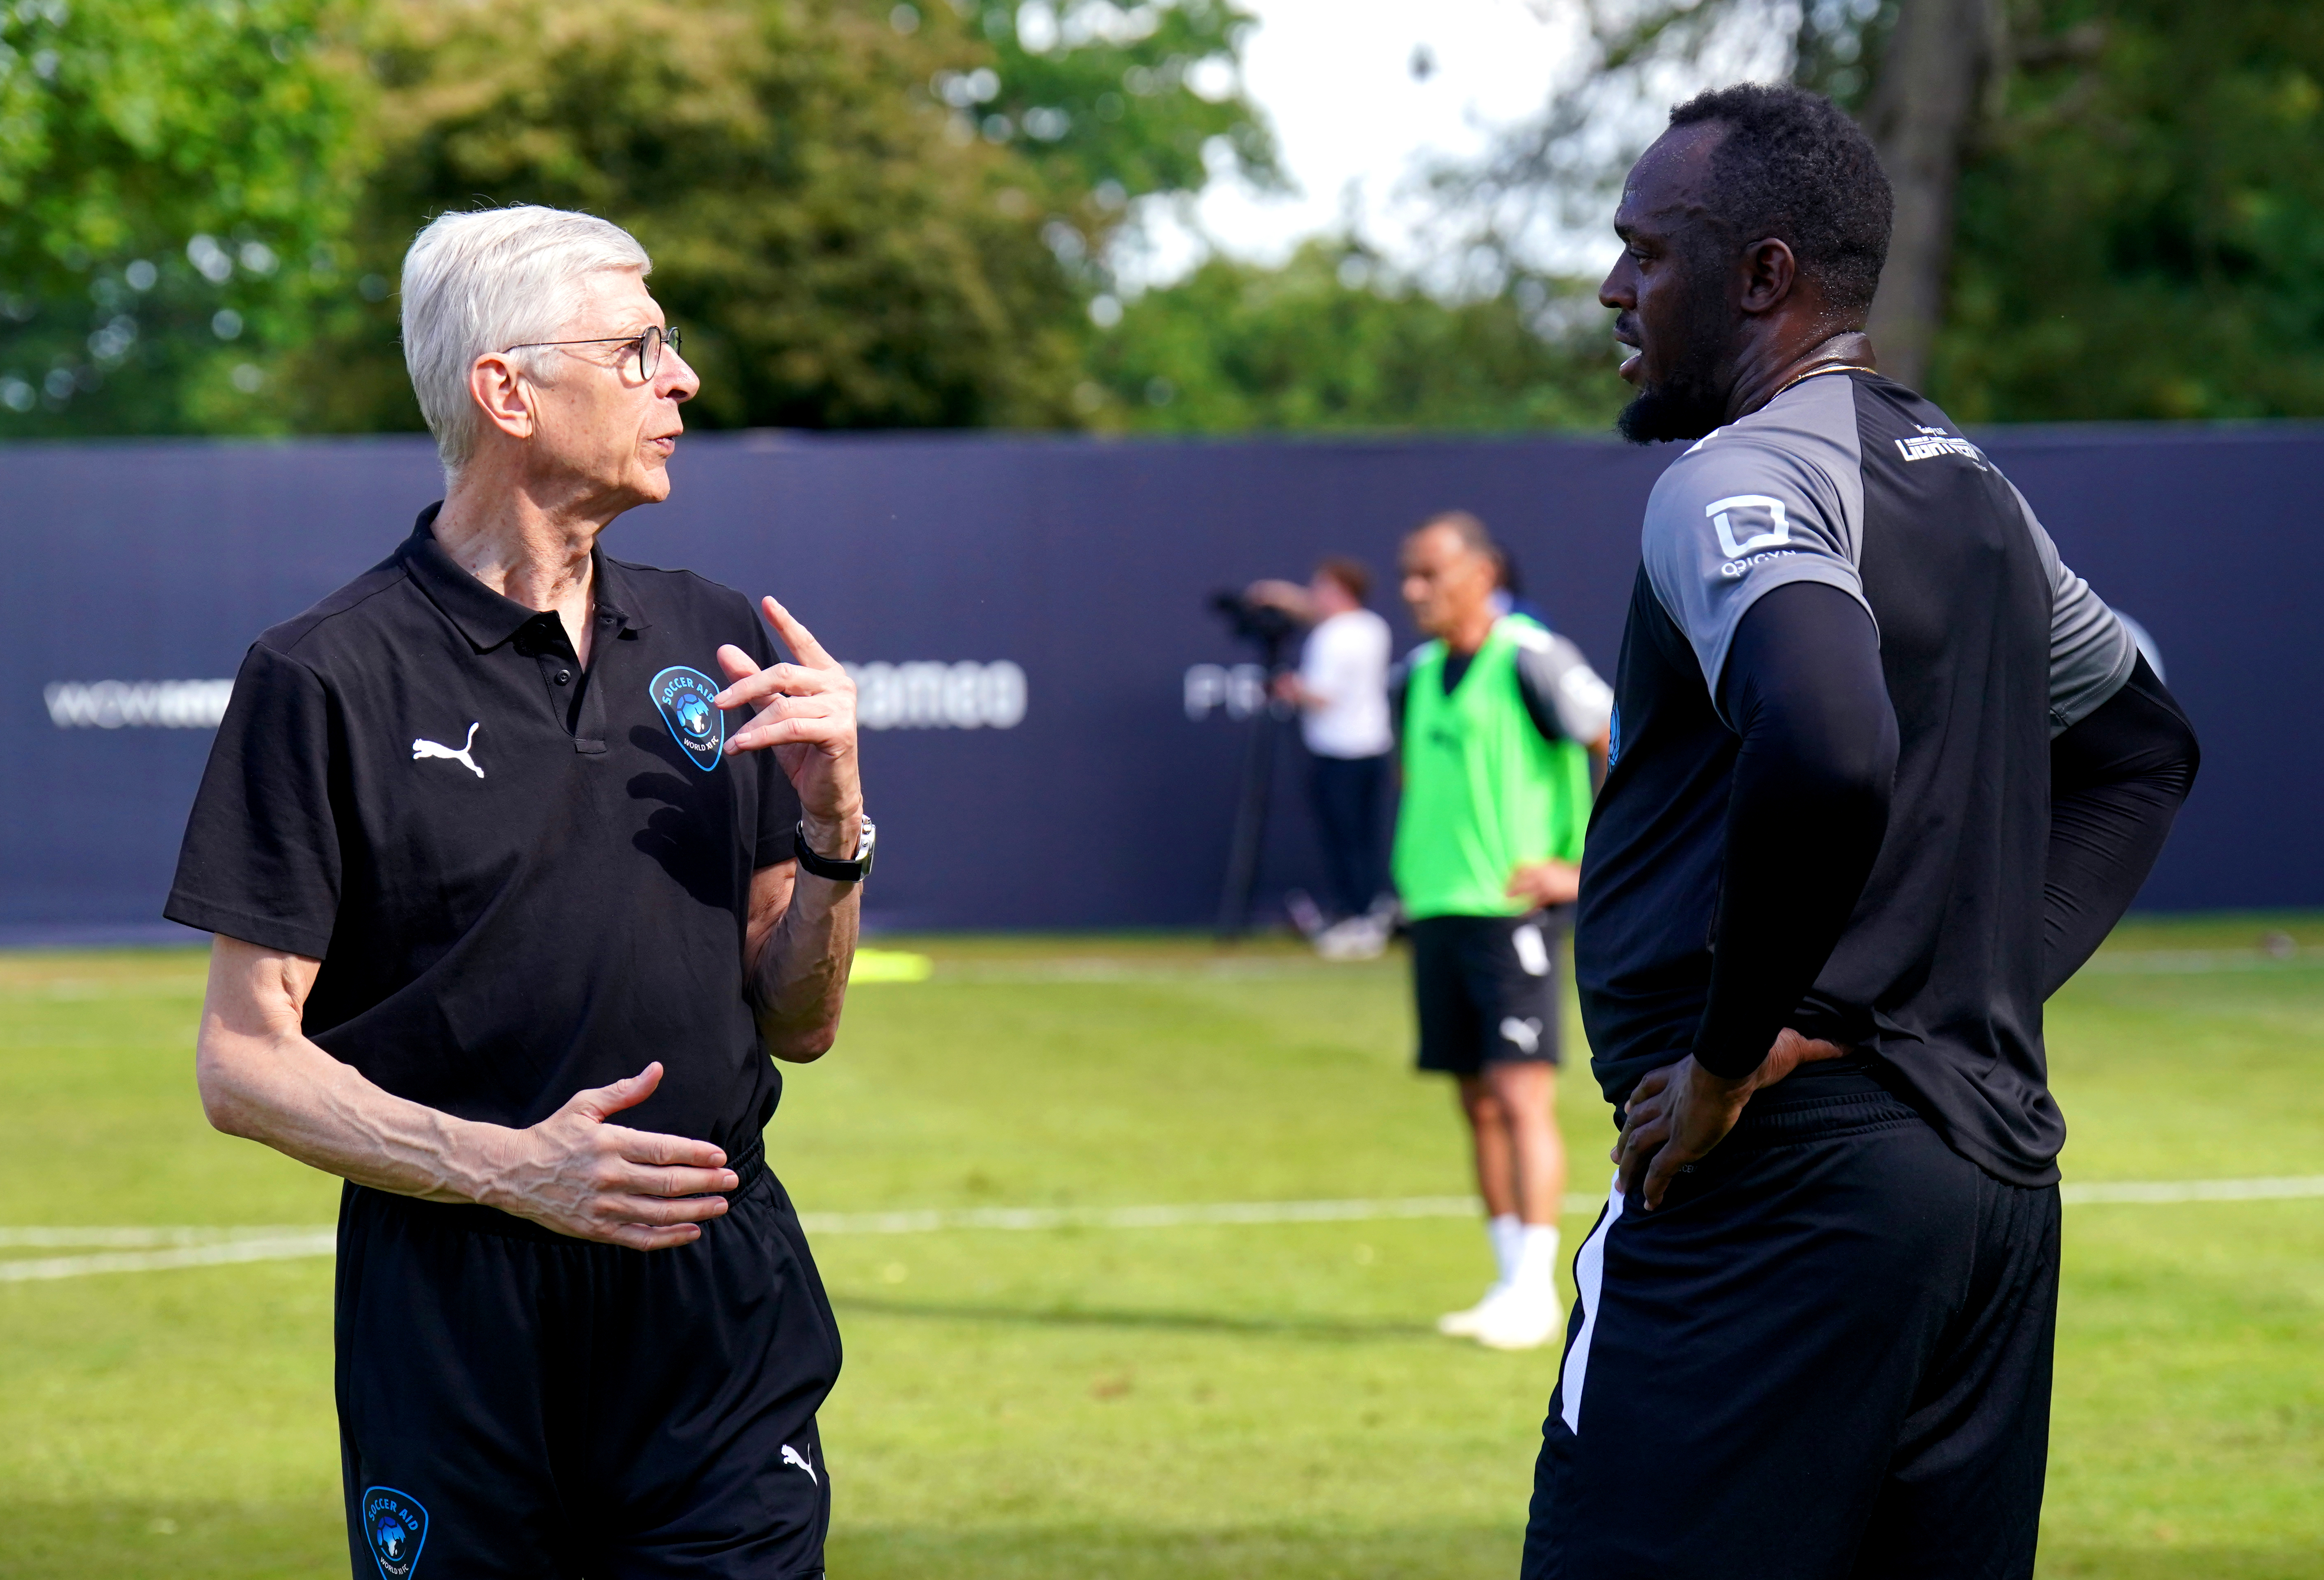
[1357, 126]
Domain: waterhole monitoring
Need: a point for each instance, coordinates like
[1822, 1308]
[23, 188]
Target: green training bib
[1483, 792]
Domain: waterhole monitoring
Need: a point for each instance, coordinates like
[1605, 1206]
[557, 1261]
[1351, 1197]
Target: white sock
[1536, 1258]
[1505, 1231]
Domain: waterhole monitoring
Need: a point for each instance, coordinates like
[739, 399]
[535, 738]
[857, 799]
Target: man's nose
[1614, 291]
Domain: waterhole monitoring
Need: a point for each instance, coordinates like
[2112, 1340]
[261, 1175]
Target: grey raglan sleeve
[1565, 698]
[1731, 521]
[2091, 653]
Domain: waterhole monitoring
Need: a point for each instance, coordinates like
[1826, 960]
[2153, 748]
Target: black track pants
[517, 1404]
[1826, 1357]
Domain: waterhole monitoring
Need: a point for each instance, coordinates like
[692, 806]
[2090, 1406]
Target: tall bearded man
[1885, 772]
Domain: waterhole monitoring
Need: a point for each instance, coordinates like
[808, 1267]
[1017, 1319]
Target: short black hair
[1793, 166]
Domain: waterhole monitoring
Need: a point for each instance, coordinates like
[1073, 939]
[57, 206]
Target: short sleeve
[261, 857]
[2091, 653]
[1345, 654]
[1732, 521]
[779, 804]
[1560, 686]
[1323, 660]
[1316, 656]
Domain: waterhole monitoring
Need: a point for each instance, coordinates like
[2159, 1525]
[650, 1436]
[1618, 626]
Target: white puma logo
[432, 748]
[1524, 1033]
[792, 1456]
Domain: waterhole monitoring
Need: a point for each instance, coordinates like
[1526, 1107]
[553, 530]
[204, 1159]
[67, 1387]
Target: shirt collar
[484, 615]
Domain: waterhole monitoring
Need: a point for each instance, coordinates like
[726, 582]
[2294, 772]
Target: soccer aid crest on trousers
[683, 697]
[395, 1527]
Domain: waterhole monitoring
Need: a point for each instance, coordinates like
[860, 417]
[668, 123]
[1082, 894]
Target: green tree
[1331, 341]
[1118, 103]
[174, 181]
[2140, 221]
[2106, 208]
[863, 215]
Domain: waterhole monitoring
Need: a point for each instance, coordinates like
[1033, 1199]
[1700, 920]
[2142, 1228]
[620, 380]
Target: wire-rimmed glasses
[648, 345]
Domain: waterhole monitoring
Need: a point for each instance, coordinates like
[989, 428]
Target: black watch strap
[837, 871]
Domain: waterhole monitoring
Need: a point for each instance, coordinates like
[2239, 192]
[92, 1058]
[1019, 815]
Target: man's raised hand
[806, 712]
[576, 1174]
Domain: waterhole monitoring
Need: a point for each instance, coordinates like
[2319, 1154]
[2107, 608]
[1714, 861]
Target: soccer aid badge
[683, 698]
[395, 1527]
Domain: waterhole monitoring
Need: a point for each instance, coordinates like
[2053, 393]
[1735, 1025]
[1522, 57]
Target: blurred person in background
[1340, 690]
[1498, 720]
[477, 843]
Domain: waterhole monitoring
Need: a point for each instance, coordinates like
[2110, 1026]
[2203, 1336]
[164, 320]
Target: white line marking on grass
[139, 1239]
[2198, 962]
[1101, 972]
[150, 1250]
[2098, 1191]
[930, 1220]
[319, 1243]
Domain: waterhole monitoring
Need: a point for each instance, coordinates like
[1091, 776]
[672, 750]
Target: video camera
[1262, 623]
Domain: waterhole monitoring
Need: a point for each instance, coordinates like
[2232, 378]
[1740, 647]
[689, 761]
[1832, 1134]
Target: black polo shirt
[523, 877]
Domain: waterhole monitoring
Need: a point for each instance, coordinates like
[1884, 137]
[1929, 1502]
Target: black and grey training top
[1989, 648]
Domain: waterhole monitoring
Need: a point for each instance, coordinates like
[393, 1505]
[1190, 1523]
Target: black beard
[1691, 399]
[1671, 410]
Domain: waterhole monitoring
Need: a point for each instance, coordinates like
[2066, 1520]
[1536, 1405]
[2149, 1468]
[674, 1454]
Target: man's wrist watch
[836, 870]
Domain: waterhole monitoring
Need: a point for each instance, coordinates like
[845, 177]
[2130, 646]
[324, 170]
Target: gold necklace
[1813, 373]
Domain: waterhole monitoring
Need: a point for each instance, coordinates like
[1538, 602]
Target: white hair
[489, 279]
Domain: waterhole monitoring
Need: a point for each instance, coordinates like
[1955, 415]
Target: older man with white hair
[488, 865]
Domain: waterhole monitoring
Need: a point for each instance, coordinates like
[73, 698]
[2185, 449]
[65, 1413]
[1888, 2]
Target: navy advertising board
[1054, 716]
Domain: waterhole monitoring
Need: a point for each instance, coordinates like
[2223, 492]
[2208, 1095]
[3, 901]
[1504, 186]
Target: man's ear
[1769, 272]
[504, 393]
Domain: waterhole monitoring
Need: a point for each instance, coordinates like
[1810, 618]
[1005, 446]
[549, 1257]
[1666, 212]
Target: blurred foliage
[174, 184]
[835, 257]
[2140, 229]
[868, 214]
[1121, 104]
[1330, 341]
[864, 215]
[2139, 220]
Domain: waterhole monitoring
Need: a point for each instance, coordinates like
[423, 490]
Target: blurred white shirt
[1345, 662]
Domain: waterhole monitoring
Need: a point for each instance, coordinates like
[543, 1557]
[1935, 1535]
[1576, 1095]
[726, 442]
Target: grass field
[1196, 1401]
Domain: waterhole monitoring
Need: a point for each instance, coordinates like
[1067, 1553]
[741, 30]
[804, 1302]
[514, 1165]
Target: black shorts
[1485, 988]
[518, 1403]
[1826, 1355]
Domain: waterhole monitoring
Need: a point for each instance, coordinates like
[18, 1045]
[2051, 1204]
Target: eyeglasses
[649, 346]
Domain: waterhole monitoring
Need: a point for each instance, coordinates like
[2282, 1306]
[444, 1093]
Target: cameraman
[1340, 690]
